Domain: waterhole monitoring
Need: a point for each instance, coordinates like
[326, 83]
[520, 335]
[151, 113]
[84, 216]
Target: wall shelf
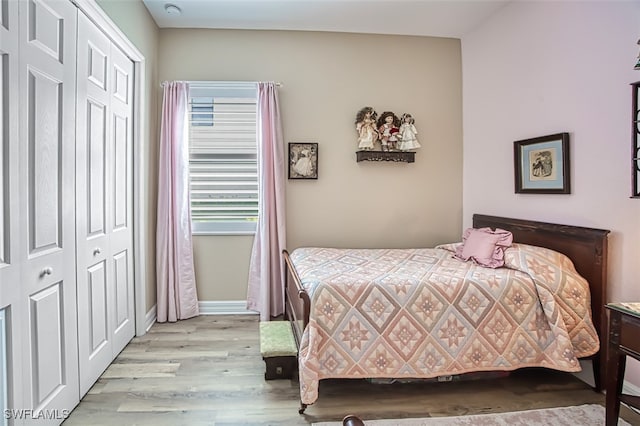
[396, 156]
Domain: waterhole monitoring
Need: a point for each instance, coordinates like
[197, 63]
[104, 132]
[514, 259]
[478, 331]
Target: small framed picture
[542, 165]
[303, 160]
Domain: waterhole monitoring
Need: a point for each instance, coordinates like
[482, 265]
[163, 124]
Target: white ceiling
[438, 18]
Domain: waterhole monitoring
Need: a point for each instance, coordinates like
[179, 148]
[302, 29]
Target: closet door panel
[97, 298]
[8, 54]
[95, 158]
[93, 198]
[120, 213]
[121, 241]
[48, 335]
[44, 163]
[123, 300]
[121, 179]
[11, 237]
[46, 28]
[4, 157]
[46, 181]
[8, 136]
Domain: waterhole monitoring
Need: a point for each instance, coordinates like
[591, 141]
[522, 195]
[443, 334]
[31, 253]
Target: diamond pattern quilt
[421, 313]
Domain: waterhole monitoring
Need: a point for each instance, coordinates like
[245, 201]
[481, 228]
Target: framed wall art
[303, 160]
[541, 165]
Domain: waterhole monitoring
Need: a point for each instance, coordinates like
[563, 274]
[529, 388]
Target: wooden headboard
[586, 247]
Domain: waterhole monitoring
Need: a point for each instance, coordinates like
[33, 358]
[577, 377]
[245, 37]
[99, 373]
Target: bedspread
[420, 313]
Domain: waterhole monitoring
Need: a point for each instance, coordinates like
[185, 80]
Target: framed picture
[303, 160]
[542, 165]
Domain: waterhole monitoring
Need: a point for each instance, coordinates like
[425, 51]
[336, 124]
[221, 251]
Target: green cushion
[276, 339]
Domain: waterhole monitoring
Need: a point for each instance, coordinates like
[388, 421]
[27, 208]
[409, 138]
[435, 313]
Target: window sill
[222, 233]
[224, 228]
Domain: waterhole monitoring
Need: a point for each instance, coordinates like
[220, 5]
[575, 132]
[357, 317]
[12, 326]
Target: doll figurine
[408, 134]
[366, 128]
[388, 130]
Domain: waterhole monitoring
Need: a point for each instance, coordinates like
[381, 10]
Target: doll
[366, 128]
[408, 134]
[388, 130]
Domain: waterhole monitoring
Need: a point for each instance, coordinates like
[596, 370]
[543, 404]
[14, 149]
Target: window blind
[223, 166]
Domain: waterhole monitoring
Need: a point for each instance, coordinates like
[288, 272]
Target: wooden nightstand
[623, 341]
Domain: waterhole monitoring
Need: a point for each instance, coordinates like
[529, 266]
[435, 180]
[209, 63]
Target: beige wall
[136, 23]
[538, 68]
[222, 266]
[327, 78]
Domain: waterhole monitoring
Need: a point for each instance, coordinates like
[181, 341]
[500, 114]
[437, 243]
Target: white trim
[140, 192]
[224, 307]
[98, 16]
[227, 233]
[212, 307]
[4, 382]
[223, 228]
[150, 318]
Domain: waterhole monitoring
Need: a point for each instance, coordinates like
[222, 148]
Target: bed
[422, 313]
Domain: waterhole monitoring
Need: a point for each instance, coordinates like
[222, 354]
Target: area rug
[582, 415]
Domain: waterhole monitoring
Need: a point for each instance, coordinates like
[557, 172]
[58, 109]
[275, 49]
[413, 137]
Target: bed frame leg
[302, 408]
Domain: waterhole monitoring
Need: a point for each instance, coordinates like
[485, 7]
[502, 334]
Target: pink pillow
[484, 246]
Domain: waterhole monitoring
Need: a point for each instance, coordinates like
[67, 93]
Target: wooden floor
[208, 370]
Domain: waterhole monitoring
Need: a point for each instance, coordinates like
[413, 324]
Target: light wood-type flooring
[208, 371]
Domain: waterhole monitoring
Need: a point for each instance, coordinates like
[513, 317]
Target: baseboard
[586, 375]
[214, 307]
[151, 317]
[224, 307]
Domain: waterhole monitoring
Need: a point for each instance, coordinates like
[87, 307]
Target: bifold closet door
[10, 240]
[121, 213]
[46, 186]
[104, 202]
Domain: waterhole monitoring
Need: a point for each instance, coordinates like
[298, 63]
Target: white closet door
[46, 184]
[104, 203]
[121, 212]
[10, 240]
[92, 201]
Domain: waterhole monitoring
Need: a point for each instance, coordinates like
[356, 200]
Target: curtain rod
[204, 83]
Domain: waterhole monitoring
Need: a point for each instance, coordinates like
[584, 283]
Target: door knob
[96, 251]
[46, 271]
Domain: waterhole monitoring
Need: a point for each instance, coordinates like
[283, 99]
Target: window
[223, 165]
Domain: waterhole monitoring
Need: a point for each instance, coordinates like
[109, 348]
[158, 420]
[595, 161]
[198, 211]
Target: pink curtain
[266, 277]
[176, 283]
